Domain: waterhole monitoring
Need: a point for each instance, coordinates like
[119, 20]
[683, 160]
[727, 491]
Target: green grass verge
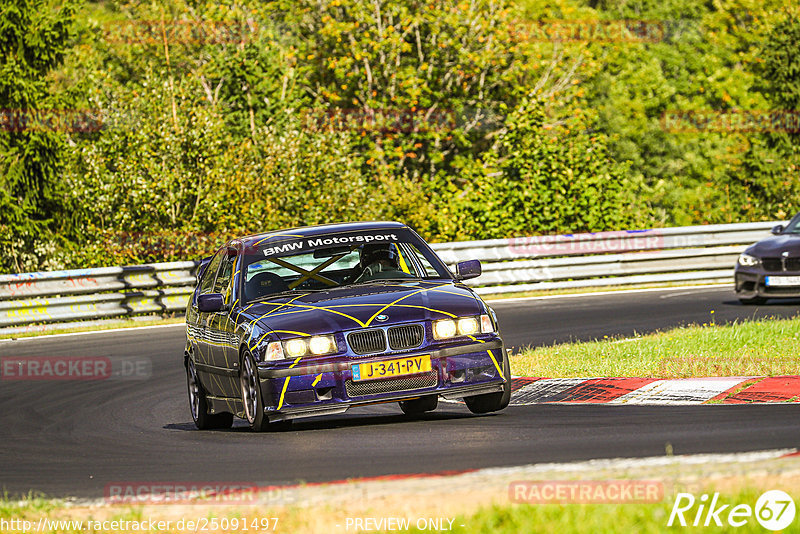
[496, 519]
[766, 347]
[603, 518]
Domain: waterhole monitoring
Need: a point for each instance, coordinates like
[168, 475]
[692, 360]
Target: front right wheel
[493, 402]
[252, 399]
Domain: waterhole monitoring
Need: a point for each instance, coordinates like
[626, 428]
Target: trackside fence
[694, 254]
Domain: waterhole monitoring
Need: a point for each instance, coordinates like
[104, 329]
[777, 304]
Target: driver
[377, 259]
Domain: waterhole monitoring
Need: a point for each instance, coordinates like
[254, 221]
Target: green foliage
[546, 178]
[780, 64]
[464, 120]
[769, 171]
[34, 36]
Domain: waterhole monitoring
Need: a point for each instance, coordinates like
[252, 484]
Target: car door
[198, 325]
[220, 331]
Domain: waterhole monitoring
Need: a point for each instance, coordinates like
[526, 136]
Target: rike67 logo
[774, 510]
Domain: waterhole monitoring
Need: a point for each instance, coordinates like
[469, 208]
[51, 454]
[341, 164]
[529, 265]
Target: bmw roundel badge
[382, 317]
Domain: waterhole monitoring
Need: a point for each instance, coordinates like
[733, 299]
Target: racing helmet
[372, 253]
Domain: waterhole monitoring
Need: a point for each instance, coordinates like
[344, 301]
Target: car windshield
[285, 263]
[794, 225]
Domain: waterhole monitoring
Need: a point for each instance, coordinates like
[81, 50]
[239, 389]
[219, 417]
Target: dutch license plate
[390, 368]
[783, 281]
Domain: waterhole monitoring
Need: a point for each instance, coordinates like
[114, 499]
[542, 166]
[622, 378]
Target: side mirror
[211, 302]
[468, 269]
[777, 230]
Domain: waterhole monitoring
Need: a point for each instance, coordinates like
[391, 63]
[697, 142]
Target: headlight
[296, 347]
[748, 261]
[316, 345]
[468, 326]
[319, 345]
[462, 326]
[444, 329]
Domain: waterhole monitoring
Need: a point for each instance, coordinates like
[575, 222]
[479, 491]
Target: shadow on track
[340, 421]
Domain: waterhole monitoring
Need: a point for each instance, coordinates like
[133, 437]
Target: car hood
[358, 307]
[772, 247]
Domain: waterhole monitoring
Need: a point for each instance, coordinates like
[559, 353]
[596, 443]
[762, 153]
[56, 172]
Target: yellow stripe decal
[309, 307]
[403, 265]
[283, 392]
[281, 332]
[495, 363]
[387, 306]
[316, 380]
[254, 321]
[286, 385]
[286, 303]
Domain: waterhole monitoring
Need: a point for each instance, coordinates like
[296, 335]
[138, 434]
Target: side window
[207, 283]
[430, 272]
[223, 283]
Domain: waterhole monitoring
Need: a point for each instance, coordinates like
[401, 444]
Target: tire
[753, 301]
[198, 404]
[419, 406]
[493, 402]
[253, 400]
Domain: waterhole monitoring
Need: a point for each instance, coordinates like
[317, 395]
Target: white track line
[110, 330]
[600, 293]
[651, 461]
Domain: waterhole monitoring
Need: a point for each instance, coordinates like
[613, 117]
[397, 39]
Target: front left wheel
[493, 402]
[198, 403]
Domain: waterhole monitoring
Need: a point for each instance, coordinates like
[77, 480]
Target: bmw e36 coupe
[312, 321]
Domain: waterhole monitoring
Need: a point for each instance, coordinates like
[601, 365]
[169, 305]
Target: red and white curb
[645, 391]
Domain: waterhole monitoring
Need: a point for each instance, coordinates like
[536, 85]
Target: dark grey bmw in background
[771, 268]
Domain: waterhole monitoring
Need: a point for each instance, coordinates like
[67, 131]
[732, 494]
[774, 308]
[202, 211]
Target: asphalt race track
[72, 438]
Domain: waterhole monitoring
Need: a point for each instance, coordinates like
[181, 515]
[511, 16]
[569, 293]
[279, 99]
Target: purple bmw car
[312, 321]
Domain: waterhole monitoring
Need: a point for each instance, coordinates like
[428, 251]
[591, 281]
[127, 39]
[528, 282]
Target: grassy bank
[603, 518]
[752, 348]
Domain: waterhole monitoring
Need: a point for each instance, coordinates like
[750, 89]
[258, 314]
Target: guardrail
[46, 300]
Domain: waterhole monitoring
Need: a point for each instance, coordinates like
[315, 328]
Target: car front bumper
[308, 390]
[752, 283]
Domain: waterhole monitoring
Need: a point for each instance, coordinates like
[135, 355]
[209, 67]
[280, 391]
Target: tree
[770, 172]
[34, 37]
[547, 178]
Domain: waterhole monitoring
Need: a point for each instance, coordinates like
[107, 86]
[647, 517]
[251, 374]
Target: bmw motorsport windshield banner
[283, 244]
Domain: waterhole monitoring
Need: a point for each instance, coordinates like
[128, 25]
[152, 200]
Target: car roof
[310, 231]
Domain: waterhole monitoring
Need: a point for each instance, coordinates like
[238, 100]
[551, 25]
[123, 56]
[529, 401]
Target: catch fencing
[695, 254]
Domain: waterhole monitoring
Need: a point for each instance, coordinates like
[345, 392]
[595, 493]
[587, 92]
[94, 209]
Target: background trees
[33, 41]
[467, 120]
